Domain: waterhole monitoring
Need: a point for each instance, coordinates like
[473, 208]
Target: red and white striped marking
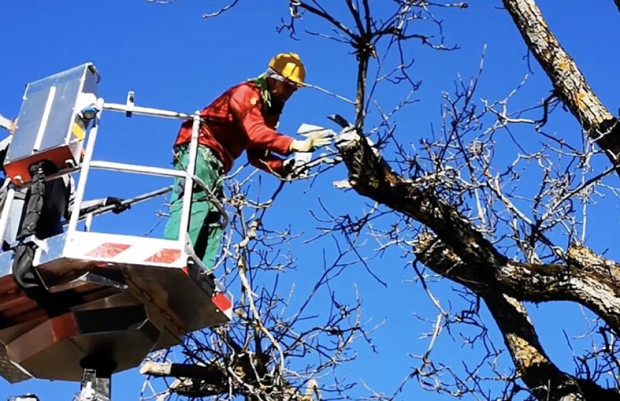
[222, 302]
[138, 253]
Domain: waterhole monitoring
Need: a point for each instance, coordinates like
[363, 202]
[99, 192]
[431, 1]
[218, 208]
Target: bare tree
[263, 354]
[454, 209]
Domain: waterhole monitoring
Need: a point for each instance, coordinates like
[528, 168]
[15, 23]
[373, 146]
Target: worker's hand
[119, 207]
[314, 140]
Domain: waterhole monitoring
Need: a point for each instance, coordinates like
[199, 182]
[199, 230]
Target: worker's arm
[246, 105]
[266, 161]
[96, 204]
[91, 205]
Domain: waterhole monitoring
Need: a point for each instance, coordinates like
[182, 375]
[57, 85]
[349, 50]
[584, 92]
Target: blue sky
[173, 59]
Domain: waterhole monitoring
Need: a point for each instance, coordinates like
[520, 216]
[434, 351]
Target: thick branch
[569, 83]
[589, 280]
[214, 378]
[543, 378]
[370, 176]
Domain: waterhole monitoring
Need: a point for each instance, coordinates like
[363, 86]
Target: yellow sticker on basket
[78, 131]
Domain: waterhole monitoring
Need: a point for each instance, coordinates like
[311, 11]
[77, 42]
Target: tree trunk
[568, 82]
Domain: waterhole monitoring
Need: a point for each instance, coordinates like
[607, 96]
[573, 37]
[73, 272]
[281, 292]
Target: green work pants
[205, 228]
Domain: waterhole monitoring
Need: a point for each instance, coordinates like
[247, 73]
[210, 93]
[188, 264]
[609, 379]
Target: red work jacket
[235, 122]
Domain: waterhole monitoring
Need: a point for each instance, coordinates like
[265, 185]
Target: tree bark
[544, 379]
[462, 254]
[568, 82]
[589, 280]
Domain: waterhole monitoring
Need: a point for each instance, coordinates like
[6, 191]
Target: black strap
[24, 273]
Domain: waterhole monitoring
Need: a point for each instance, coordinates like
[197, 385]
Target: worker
[242, 118]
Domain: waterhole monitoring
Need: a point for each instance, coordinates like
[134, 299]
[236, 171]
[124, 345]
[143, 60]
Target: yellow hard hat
[289, 65]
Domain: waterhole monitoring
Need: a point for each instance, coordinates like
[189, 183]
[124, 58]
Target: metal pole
[145, 111]
[88, 156]
[6, 210]
[189, 182]
[88, 222]
[134, 200]
[135, 168]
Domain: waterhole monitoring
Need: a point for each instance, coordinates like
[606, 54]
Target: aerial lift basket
[125, 295]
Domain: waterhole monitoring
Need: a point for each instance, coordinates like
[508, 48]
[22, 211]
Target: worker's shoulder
[247, 88]
[246, 93]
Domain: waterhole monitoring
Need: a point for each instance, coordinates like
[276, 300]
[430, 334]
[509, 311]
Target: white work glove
[314, 140]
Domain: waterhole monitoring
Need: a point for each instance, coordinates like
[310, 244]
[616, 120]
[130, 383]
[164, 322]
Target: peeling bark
[591, 281]
[462, 254]
[567, 80]
[539, 373]
[370, 176]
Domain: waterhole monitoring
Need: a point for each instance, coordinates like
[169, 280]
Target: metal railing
[88, 163]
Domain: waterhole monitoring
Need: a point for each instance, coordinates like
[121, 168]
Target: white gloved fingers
[322, 142]
[324, 133]
[316, 136]
[323, 138]
[301, 146]
[314, 140]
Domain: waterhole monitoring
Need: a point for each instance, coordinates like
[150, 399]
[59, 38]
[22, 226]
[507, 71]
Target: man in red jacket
[243, 118]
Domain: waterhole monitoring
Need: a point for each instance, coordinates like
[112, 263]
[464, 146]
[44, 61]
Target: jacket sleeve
[266, 161]
[86, 207]
[69, 195]
[245, 105]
